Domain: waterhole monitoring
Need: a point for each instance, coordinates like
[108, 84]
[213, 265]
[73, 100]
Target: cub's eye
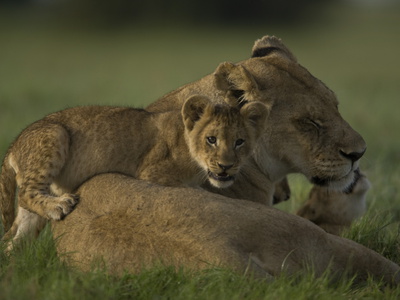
[239, 142]
[211, 140]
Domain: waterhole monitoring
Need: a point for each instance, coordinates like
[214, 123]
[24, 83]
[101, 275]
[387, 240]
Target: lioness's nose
[225, 167]
[353, 156]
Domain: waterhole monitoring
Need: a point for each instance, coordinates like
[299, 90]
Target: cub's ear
[236, 80]
[269, 44]
[193, 109]
[256, 112]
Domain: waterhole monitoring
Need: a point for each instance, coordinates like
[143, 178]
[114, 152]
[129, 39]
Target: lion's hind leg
[26, 224]
[37, 157]
[38, 166]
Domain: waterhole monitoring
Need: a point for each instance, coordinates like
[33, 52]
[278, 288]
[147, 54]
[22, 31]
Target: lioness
[130, 224]
[53, 156]
[334, 211]
[305, 132]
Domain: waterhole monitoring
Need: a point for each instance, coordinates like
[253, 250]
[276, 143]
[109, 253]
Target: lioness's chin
[221, 181]
[360, 183]
[344, 184]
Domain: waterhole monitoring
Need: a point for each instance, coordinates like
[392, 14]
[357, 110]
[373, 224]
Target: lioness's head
[221, 136]
[305, 132]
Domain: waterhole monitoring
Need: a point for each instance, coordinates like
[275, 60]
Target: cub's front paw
[62, 206]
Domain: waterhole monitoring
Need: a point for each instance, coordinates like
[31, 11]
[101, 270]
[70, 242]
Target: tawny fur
[335, 211]
[53, 156]
[196, 229]
[128, 225]
[305, 132]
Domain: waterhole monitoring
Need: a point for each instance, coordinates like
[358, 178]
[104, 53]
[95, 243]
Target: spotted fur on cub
[55, 155]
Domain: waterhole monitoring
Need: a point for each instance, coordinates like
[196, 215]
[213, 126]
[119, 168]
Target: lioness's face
[305, 132]
[221, 137]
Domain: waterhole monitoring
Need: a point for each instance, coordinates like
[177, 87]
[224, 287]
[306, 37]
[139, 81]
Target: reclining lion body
[130, 225]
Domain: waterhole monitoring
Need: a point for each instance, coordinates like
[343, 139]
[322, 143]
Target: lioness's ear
[256, 112]
[193, 109]
[236, 80]
[269, 44]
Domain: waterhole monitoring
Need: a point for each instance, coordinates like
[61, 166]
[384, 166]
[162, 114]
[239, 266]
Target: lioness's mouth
[350, 188]
[319, 181]
[347, 190]
[221, 176]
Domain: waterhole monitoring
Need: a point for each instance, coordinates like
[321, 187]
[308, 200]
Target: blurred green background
[56, 54]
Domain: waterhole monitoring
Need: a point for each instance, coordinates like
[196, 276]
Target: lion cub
[56, 154]
[333, 210]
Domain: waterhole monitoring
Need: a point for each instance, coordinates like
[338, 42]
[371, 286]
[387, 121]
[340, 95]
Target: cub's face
[221, 148]
[327, 206]
[221, 137]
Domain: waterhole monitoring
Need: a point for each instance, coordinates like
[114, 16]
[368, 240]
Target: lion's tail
[8, 185]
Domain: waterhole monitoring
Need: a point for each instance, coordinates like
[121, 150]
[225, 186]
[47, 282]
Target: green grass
[38, 272]
[44, 69]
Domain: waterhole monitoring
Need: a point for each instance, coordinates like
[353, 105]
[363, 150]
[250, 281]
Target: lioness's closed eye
[56, 154]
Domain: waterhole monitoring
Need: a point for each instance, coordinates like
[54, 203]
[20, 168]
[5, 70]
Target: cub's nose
[225, 167]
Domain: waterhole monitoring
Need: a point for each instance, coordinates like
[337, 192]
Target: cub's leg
[37, 158]
[26, 224]
[44, 153]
